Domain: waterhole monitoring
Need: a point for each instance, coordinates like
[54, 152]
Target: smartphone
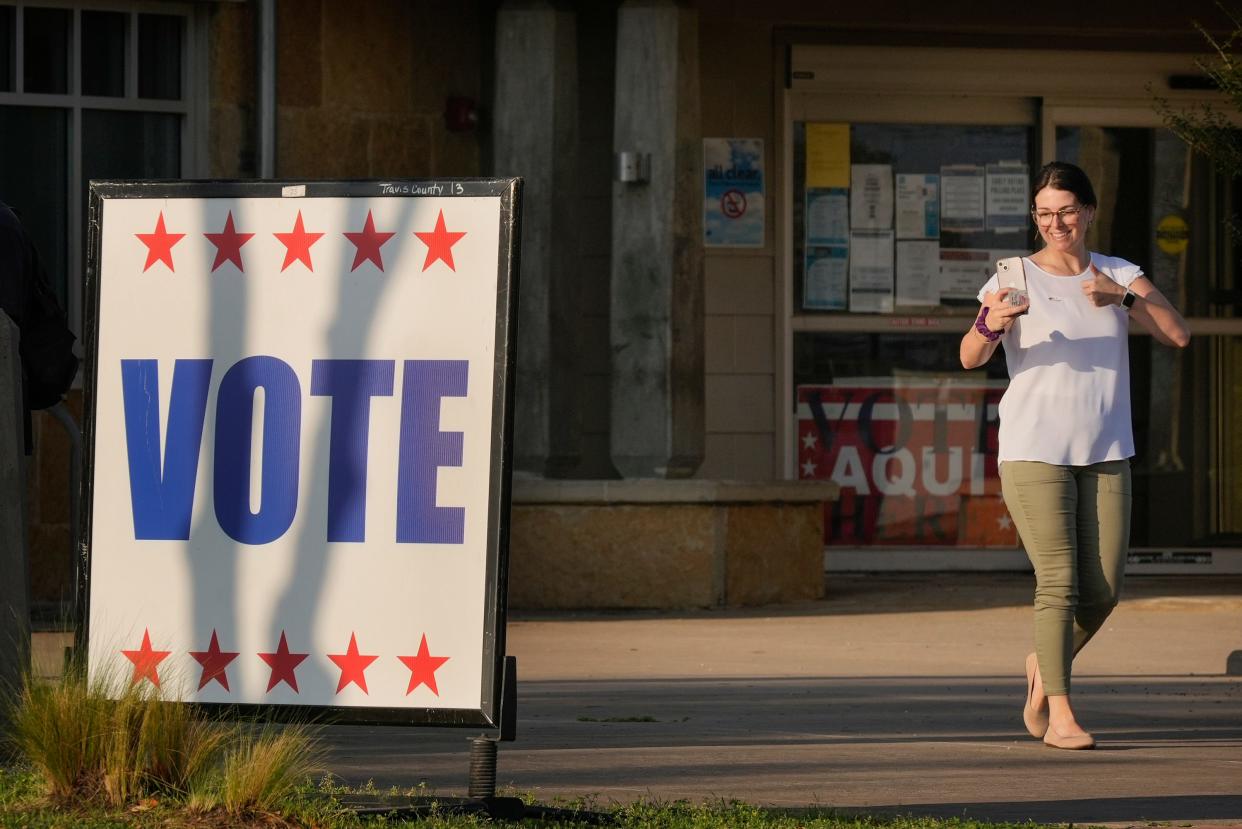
[1011, 274]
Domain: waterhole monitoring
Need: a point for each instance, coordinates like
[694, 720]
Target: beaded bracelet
[982, 327]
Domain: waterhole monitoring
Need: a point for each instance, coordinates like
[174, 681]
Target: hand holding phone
[1010, 274]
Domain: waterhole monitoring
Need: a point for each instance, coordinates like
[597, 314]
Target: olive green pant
[1075, 525]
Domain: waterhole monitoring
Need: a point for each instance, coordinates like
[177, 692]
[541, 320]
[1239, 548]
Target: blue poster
[826, 279]
[733, 192]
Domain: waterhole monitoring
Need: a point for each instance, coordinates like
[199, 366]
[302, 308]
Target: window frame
[192, 106]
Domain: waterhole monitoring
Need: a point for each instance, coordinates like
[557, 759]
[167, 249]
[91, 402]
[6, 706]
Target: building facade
[753, 231]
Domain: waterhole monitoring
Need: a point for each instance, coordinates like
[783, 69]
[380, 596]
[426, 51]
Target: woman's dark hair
[1062, 176]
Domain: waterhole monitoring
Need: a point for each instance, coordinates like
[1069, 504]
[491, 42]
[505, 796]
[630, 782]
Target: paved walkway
[895, 694]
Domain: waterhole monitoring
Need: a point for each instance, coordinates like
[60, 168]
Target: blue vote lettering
[351, 384]
[282, 432]
[424, 448]
[162, 484]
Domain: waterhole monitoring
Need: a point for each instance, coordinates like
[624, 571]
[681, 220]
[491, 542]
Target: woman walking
[1065, 431]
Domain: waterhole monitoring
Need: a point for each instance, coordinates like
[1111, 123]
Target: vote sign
[298, 421]
[914, 457]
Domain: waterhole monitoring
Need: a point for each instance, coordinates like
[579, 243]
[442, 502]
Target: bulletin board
[906, 217]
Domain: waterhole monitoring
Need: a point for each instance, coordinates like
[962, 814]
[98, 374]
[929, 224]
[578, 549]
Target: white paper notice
[918, 273]
[827, 217]
[964, 271]
[871, 270]
[827, 274]
[1007, 199]
[871, 197]
[918, 206]
[962, 198]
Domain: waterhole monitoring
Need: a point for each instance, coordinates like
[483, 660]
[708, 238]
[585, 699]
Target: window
[905, 217]
[902, 219]
[91, 91]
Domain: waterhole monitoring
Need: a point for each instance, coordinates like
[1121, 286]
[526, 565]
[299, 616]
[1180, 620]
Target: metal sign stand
[483, 749]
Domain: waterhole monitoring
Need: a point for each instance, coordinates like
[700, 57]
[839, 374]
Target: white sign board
[298, 423]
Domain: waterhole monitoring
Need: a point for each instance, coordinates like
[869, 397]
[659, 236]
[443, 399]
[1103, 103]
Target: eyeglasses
[1067, 215]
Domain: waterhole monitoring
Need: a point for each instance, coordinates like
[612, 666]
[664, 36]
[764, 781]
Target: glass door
[1165, 209]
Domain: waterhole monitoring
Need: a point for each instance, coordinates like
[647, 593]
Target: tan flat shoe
[1078, 742]
[1036, 721]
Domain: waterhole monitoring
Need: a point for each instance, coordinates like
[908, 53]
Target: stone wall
[665, 544]
[231, 82]
[361, 88]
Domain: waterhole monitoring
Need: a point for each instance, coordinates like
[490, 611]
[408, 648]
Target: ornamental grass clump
[61, 728]
[260, 771]
[113, 743]
[156, 748]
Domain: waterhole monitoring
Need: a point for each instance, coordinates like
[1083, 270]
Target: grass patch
[105, 747]
[23, 805]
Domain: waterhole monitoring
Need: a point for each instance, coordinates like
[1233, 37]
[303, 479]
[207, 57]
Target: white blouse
[1068, 400]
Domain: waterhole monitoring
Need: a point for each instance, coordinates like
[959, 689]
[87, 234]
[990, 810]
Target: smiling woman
[1065, 435]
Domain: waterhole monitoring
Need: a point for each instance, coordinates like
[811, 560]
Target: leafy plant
[1210, 130]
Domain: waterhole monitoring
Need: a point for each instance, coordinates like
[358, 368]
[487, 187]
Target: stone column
[657, 246]
[14, 584]
[535, 136]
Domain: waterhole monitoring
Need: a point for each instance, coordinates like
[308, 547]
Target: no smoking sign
[733, 204]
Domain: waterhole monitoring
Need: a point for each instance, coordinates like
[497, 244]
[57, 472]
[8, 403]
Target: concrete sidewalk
[898, 694]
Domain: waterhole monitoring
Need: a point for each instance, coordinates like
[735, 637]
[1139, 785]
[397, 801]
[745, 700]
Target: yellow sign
[827, 155]
[1172, 234]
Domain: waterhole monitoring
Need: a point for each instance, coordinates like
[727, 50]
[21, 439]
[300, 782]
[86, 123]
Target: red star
[145, 661]
[228, 244]
[368, 243]
[283, 663]
[214, 662]
[298, 244]
[423, 668]
[159, 244]
[353, 666]
[440, 244]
